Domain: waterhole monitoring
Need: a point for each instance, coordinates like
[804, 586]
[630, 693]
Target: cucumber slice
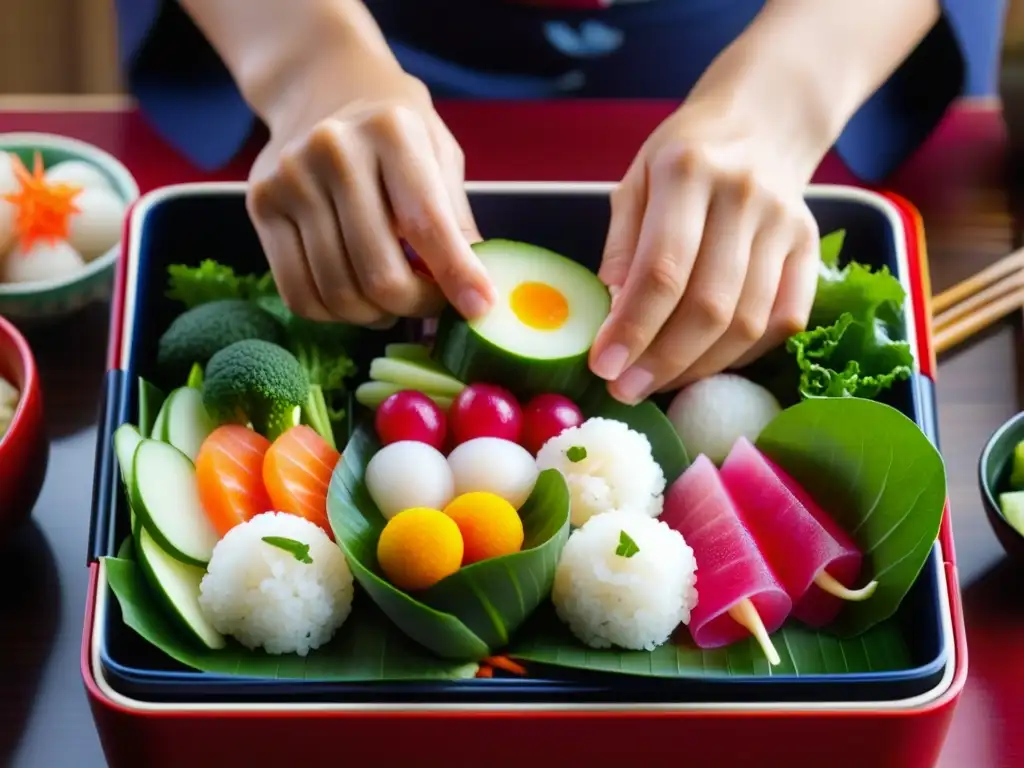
[177, 585]
[159, 430]
[537, 336]
[165, 496]
[410, 375]
[187, 424]
[417, 353]
[150, 400]
[126, 440]
[372, 393]
[1012, 506]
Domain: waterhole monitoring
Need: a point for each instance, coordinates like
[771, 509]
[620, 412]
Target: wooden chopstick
[976, 283]
[979, 300]
[949, 336]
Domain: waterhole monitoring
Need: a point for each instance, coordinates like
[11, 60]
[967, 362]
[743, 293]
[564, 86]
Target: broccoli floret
[258, 382]
[197, 334]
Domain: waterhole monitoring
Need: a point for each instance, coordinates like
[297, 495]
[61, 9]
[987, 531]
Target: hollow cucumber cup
[537, 336]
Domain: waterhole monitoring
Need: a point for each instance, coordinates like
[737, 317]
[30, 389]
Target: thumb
[627, 202]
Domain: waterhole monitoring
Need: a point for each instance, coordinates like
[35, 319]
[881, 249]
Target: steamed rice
[264, 597]
[619, 472]
[634, 602]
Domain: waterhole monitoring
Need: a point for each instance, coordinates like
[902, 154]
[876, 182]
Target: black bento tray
[189, 223]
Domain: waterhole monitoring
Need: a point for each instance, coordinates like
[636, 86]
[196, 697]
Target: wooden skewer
[956, 332]
[977, 283]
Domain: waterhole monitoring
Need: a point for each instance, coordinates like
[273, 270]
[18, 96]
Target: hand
[711, 255]
[346, 176]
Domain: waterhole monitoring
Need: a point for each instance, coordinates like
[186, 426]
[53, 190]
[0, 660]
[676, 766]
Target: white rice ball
[710, 415]
[618, 471]
[8, 185]
[633, 602]
[408, 474]
[96, 228]
[43, 261]
[76, 173]
[264, 596]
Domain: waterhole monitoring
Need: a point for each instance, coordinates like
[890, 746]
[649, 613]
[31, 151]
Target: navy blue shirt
[485, 49]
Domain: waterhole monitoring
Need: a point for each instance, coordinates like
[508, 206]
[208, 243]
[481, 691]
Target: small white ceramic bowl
[53, 299]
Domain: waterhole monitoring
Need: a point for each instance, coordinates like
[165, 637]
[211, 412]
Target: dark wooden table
[956, 180]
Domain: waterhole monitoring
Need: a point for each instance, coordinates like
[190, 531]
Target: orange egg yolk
[539, 306]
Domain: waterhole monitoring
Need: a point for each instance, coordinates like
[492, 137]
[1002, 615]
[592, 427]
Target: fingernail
[634, 384]
[472, 303]
[609, 364]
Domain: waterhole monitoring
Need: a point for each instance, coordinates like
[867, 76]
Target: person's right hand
[356, 166]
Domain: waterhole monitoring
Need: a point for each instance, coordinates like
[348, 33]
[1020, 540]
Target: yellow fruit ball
[419, 547]
[490, 526]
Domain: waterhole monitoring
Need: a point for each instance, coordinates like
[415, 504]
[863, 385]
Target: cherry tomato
[411, 415]
[547, 416]
[485, 410]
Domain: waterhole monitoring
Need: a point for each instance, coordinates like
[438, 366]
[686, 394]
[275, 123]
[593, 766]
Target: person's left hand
[711, 255]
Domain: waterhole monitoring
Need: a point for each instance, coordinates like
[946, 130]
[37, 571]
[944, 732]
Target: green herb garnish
[295, 548]
[576, 453]
[627, 547]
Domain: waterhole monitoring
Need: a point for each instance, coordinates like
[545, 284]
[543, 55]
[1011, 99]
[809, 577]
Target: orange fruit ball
[418, 548]
[489, 525]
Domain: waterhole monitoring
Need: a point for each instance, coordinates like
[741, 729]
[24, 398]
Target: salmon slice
[229, 469]
[297, 472]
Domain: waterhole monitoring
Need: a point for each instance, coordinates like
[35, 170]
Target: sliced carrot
[505, 664]
[297, 471]
[229, 468]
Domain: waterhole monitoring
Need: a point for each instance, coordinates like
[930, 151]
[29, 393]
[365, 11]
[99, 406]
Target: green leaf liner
[879, 477]
[476, 610]
[647, 419]
[366, 648]
[545, 640]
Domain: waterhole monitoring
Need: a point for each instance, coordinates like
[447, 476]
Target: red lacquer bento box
[149, 712]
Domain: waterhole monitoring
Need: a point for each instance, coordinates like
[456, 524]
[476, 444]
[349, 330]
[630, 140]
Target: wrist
[316, 59]
[758, 85]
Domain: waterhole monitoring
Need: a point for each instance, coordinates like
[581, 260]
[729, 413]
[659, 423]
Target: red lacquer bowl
[24, 449]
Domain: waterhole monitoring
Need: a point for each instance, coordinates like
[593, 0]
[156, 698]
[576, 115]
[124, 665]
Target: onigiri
[277, 582]
[608, 467]
[710, 415]
[626, 580]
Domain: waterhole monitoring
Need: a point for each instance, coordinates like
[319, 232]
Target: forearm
[270, 45]
[806, 66]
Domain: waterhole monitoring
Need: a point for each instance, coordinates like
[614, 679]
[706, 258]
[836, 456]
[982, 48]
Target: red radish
[485, 410]
[411, 415]
[547, 416]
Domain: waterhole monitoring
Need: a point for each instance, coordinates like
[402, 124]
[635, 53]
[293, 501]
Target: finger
[793, 303]
[376, 268]
[283, 247]
[707, 307]
[453, 170]
[753, 310]
[310, 206]
[426, 218]
[670, 237]
[627, 212]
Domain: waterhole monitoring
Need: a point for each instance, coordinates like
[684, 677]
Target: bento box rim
[911, 703]
[152, 199]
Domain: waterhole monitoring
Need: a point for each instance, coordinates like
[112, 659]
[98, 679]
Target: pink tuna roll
[738, 595]
[815, 560]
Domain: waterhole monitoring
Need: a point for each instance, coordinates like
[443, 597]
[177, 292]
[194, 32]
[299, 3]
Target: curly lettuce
[851, 346]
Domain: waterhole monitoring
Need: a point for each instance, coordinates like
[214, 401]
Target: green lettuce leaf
[851, 347]
[213, 281]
